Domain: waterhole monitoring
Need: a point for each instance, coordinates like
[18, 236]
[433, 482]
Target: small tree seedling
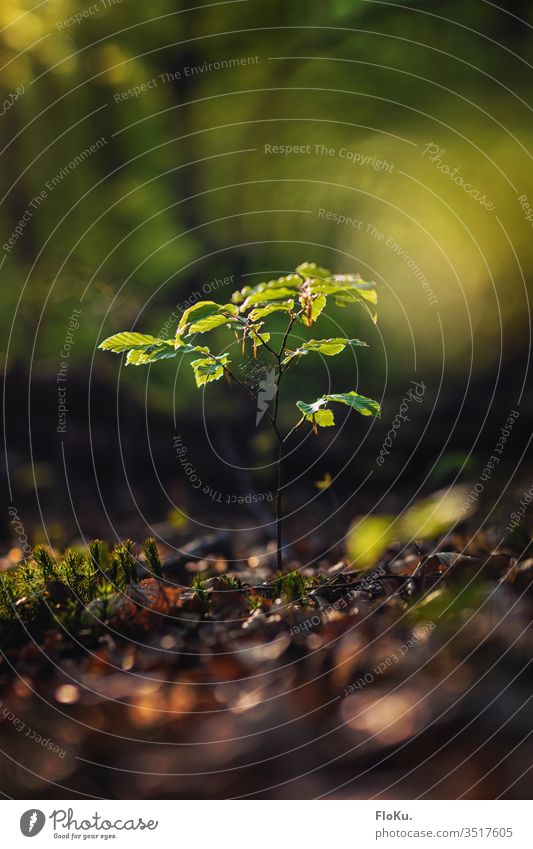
[302, 297]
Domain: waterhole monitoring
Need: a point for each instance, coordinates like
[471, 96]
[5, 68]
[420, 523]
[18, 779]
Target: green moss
[152, 558]
[291, 585]
[43, 592]
[199, 589]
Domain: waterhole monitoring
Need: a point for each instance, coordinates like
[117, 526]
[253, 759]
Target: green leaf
[315, 413]
[318, 302]
[150, 354]
[327, 347]
[348, 289]
[368, 299]
[261, 312]
[365, 406]
[225, 314]
[263, 338]
[265, 296]
[127, 341]
[208, 369]
[351, 280]
[193, 349]
[143, 356]
[310, 409]
[289, 281]
[207, 324]
[195, 319]
[198, 311]
[340, 284]
[312, 270]
[324, 418]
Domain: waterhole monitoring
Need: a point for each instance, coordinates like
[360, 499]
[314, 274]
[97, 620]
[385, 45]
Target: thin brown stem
[281, 440]
[274, 422]
[258, 336]
[297, 425]
[288, 330]
[279, 509]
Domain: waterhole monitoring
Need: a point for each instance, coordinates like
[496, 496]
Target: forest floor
[209, 674]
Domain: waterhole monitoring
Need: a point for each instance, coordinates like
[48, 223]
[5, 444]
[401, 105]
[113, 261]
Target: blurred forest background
[182, 193]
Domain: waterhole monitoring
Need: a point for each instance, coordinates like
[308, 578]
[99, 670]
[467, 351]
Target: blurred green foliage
[424, 519]
[184, 192]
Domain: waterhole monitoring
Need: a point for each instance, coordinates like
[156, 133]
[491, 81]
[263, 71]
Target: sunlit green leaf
[146, 354]
[314, 412]
[194, 317]
[261, 312]
[150, 354]
[324, 418]
[198, 311]
[344, 284]
[289, 281]
[348, 289]
[210, 322]
[312, 270]
[202, 317]
[127, 341]
[267, 295]
[318, 303]
[208, 369]
[310, 410]
[327, 347]
[365, 406]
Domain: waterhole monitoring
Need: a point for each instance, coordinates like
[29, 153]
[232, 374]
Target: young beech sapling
[302, 296]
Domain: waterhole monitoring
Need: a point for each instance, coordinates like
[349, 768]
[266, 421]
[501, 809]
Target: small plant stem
[296, 426]
[274, 420]
[279, 464]
[259, 338]
[289, 328]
